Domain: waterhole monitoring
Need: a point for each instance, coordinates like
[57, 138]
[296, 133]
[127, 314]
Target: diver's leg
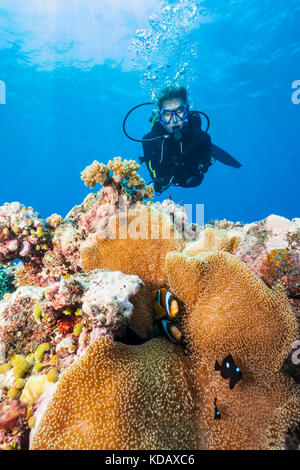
[192, 181]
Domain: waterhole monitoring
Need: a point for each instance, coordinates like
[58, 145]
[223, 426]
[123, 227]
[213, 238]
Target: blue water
[73, 69]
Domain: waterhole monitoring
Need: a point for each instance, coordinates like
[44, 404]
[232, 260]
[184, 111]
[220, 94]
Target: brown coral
[94, 173]
[135, 242]
[122, 397]
[118, 171]
[229, 310]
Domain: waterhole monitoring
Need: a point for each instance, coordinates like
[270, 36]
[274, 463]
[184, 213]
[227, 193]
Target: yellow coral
[52, 375]
[33, 389]
[37, 312]
[40, 351]
[31, 422]
[122, 397]
[13, 392]
[20, 383]
[139, 240]
[21, 366]
[4, 368]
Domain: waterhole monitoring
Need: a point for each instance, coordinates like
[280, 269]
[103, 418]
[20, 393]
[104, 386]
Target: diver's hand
[159, 186]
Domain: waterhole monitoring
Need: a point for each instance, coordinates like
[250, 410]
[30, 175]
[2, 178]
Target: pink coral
[11, 413]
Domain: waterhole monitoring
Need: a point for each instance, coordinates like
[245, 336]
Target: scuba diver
[177, 151]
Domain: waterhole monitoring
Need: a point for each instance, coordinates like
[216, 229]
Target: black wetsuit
[181, 163]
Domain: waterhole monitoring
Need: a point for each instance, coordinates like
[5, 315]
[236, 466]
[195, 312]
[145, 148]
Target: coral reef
[77, 320]
[179, 218]
[99, 300]
[23, 234]
[50, 248]
[270, 247]
[282, 265]
[43, 330]
[274, 240]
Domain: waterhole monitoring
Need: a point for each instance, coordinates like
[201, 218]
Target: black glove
[160, 186]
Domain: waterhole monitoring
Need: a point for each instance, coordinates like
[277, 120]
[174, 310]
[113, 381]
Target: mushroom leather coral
[229, 310]
[212, 239]
[142, 253]
[122, 397]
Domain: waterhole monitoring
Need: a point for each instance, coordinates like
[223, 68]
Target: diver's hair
[171, 92]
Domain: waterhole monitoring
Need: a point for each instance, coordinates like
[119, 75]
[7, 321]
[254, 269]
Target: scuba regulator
[157, 115]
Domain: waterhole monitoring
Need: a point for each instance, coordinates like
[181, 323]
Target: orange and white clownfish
[172, 332]
[165, 303]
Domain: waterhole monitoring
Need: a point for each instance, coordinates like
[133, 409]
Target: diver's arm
[157, 163]
[150, 156]
[205, 153]
[199, 159]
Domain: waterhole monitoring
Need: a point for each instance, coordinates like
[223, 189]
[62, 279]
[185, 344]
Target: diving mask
[166, 115]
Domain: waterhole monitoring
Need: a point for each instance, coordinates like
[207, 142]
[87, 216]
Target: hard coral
[101, 297]
[122, 397]
[229, 310]
[282, 265]
[29, 275]
[23, 233]
[260, 239]
[18, 328]
[32, 314]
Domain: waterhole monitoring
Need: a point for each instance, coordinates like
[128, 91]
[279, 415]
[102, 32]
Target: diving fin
[224, 157]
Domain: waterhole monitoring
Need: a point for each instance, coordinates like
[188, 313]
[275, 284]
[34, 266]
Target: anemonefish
[217, 412]
[230, 370]
[172, 331]
[165, 304]
[166, 308]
